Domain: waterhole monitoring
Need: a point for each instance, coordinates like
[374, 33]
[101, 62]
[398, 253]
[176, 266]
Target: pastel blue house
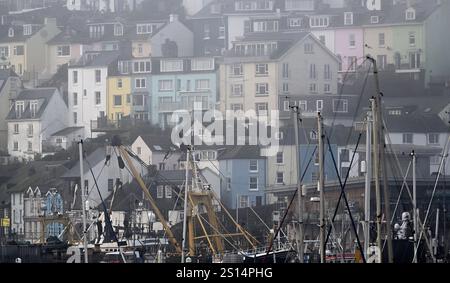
[244, 180]
[180, 82]
[311, 172]
[53, 206]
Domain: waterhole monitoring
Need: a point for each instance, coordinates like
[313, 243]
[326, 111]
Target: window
[75, 77]
[221, 32]
[318, 21]
[75, 98]
[352, 63]
[84, 92]
[16, 146]
[280, 178]
[16, 129]
[412, 39]
[59, 140]
[165, 85]
[407, 138]
[340, 105]
[285, 70]
[262, 89]
[33, 108]
[414, 60]
[138, 100]
[262, 69]
[4, 51]
[118, 30]
[294, 22]
[345, 155]
[433, 138]
[119, 83]
[237, 89]
[202, 84]
[261, 109]
[253, 183]
[140, 83]
[327, 88]
[30, 130]
[142, 66]
[410, 14]
[327, 72]
[30, 146]
[63, 50]
[159, 191]
[352, 40]
[75, 118]
[253, 166]
[236, 107]
[309, 48]
[381, 40]
[374, 19]
[206, 31]
[265, 26]
[98, 76]
[117, 100]
[312, 71]
[322, 39]
[144, 28]
[286, 87]
[98, 98]
[280, 158]
[27, 29]
[11, 32]
[171, 65]
[110, 185]
[435, 160]
[202, 64]
[236, 70]
[20, 107]
[168, 192]
[313, 88]
[382, 61]
[303, 105]
[319, 105]
[348, 18]
[19, 50]
[243, 201]
[139, 150]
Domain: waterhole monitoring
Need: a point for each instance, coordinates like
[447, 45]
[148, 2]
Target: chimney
[173, 18]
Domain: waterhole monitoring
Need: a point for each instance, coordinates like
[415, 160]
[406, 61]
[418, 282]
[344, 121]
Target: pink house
[349, 47]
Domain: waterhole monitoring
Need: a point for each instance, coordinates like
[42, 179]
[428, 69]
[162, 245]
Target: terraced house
[23, 48]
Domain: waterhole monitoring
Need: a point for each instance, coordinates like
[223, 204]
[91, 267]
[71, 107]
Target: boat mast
[321, 187]
[83, 201]
[380, 166]
[368, 175]
[416, 228]
[300, 236]
[186, 186]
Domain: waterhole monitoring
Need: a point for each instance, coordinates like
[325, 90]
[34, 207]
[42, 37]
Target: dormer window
[33, 108]
[410, 14]
[118, 30]
[20, 106]
[348, 18]
[374, 19]
[11, 32]
[27, 29]
[319, 21]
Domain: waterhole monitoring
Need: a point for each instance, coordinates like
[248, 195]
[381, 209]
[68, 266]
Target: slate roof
[41, 94]
[158, 143]
[416, 123]
[93, 159]
[242, 152]
[67, 131]
[18, 34]
[100, 59]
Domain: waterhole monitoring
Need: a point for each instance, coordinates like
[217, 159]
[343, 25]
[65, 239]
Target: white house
[66, 137]
[34, 117]
[87, 89]
[158, 151]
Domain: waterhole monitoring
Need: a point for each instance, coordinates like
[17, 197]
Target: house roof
[69, 36]
[242, 152]
[99, 155]
[415, 123]
[42, 174]
[158, 143]
[67, 131]
[18, 33]
[40, 94]
[97, 59]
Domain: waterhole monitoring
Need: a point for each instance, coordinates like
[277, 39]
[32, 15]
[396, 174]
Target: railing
[173, 106]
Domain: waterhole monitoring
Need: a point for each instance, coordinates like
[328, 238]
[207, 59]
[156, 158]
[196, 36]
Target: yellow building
[118, 97]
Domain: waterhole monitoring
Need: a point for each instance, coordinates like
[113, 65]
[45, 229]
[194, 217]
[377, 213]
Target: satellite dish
[373, 5]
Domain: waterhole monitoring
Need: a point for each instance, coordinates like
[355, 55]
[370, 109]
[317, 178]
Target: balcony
[168, 107]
